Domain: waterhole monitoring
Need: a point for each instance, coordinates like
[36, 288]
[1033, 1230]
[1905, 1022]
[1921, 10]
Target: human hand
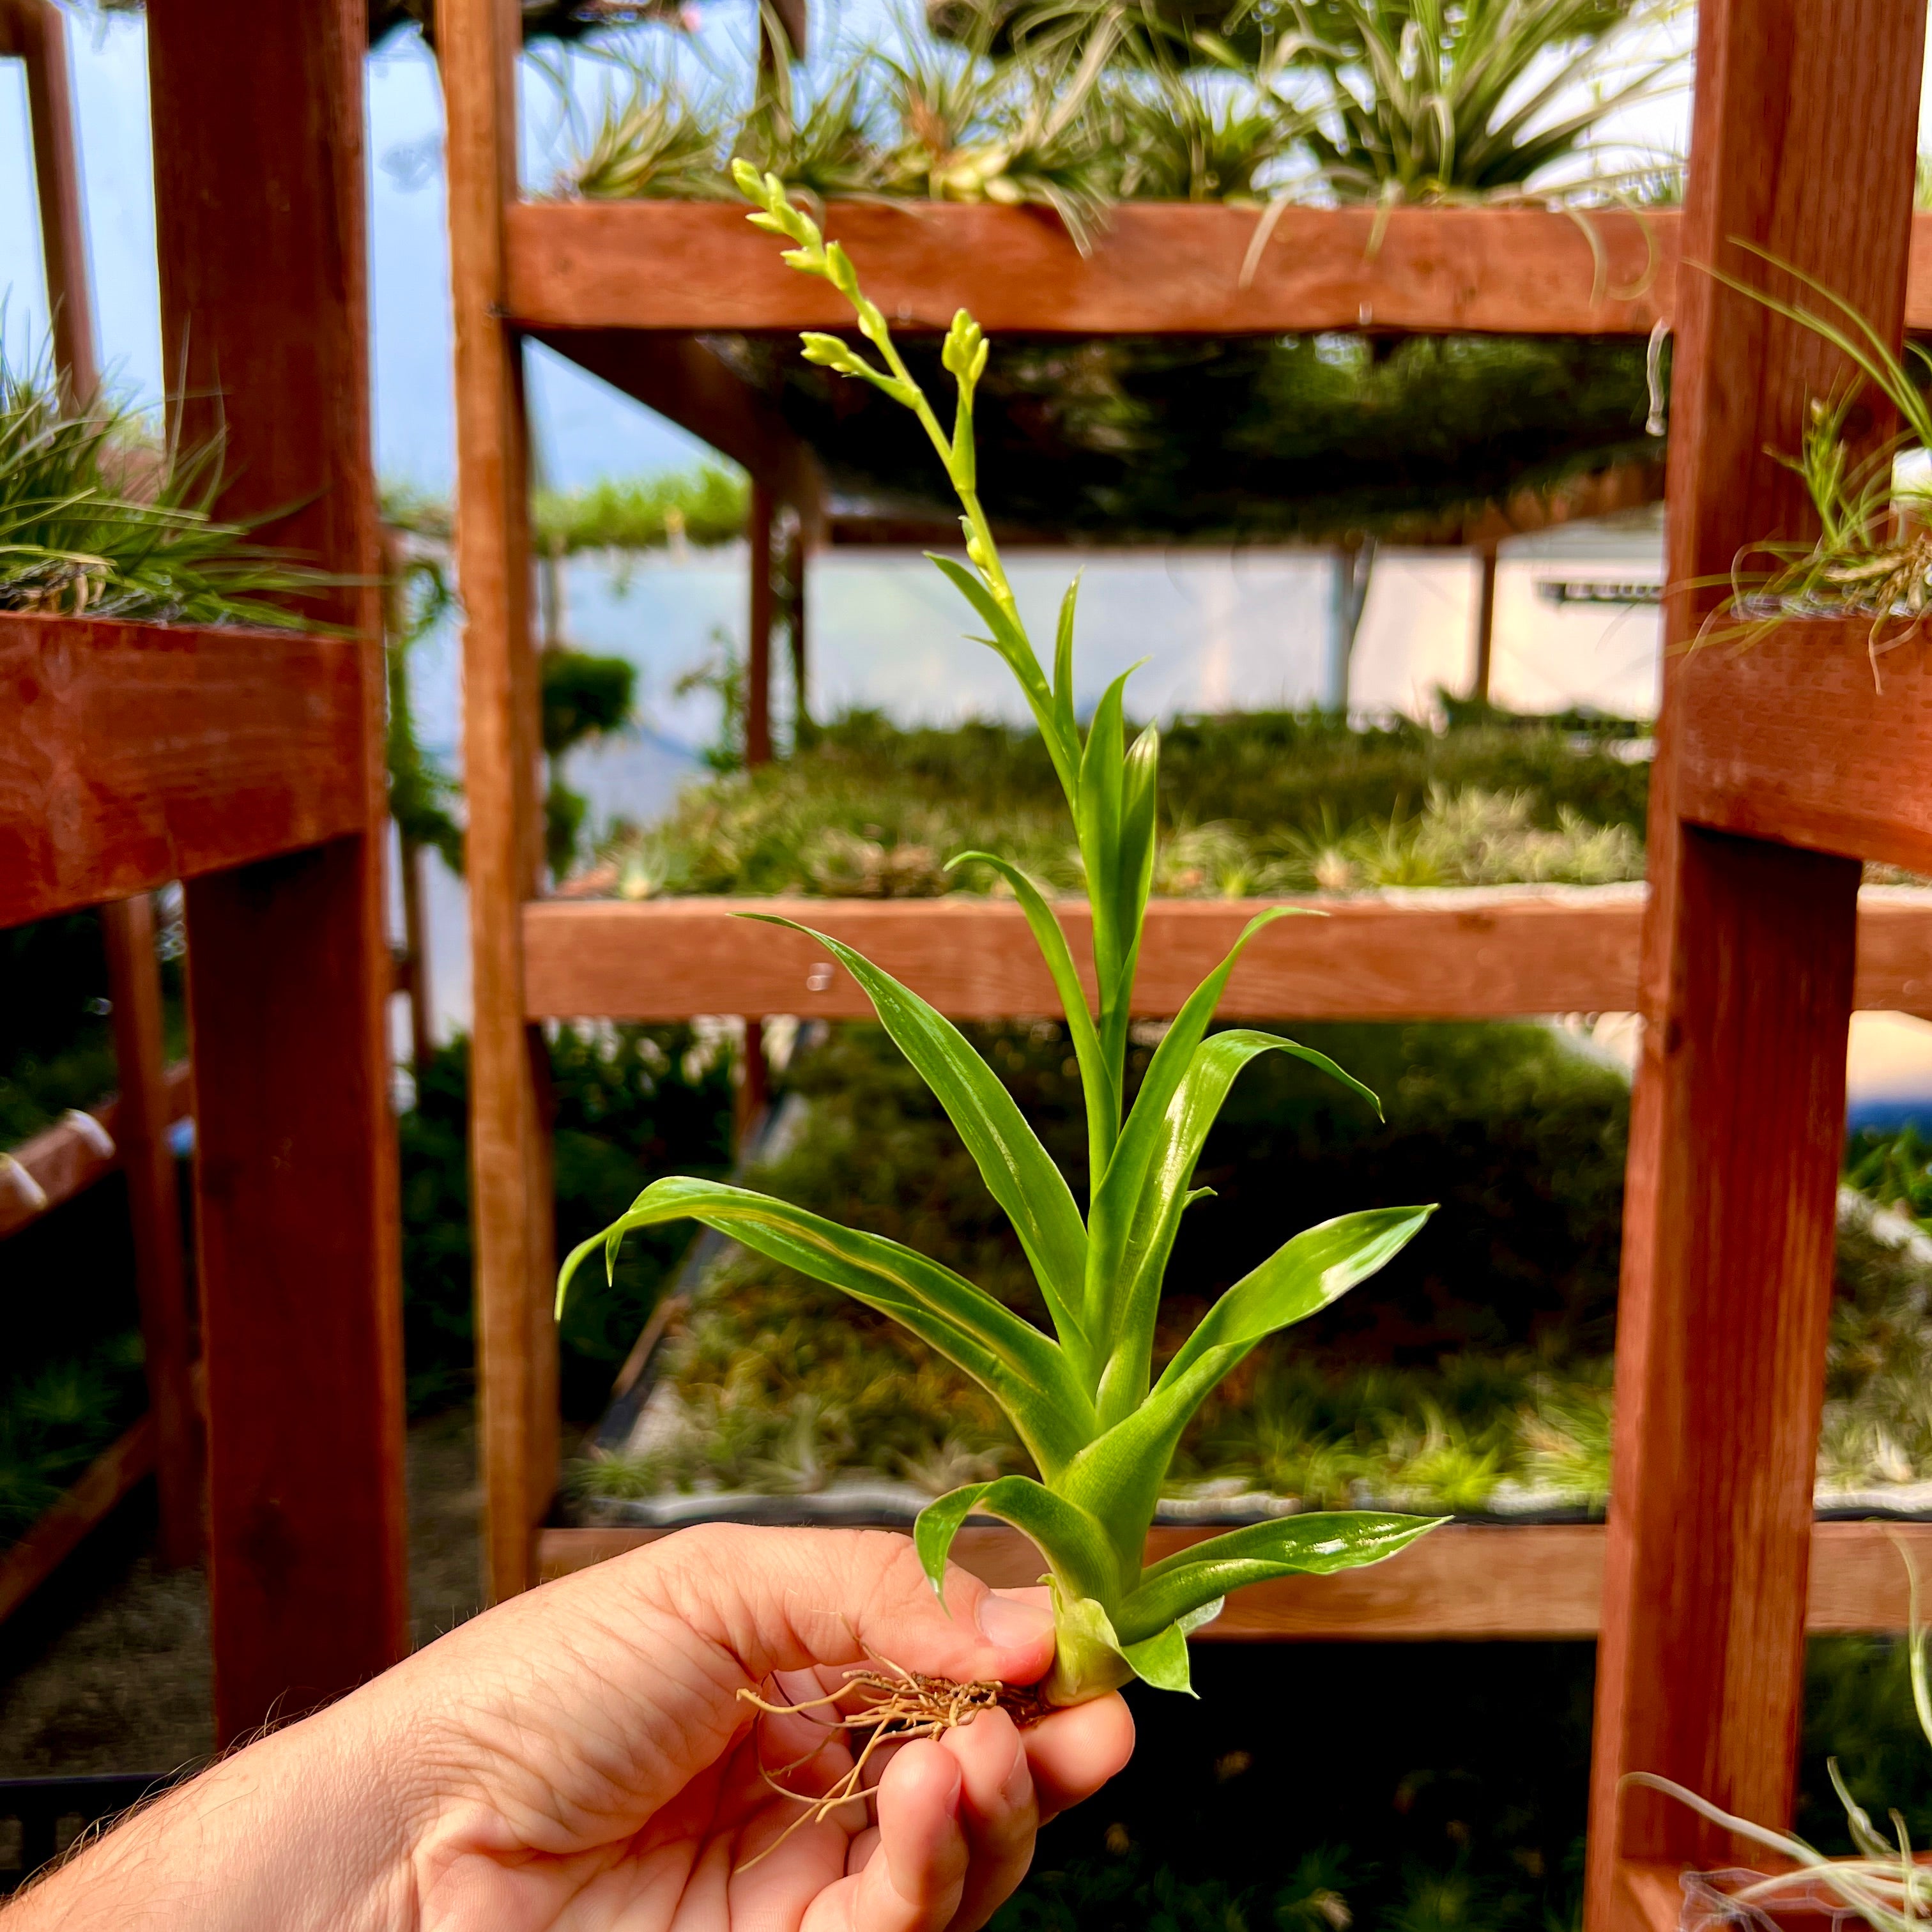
[579, 1756]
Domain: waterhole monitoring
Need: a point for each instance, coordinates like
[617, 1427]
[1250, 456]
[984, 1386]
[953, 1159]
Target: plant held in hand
[1101, 1427]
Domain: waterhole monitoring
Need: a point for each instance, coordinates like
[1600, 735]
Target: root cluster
[895, 1706]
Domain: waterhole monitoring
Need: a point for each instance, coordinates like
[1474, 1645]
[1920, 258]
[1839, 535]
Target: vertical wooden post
[259, 195]
[1486, 623]
[1738, 1124]
[796, 551]
[758, 645]
[35, 30]
[510, 1208]
[160, 1276]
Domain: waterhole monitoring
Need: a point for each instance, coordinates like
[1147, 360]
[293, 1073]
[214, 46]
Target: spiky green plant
[1100, 1427]
[653, 140]
[98, 518]
[1431, 101]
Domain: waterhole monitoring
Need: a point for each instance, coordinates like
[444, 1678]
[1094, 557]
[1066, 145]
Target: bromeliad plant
[1101, 1427]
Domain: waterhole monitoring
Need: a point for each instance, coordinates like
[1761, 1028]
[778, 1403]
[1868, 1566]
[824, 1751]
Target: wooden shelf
[141, 753]
[1160, 269]
[1474, 1582]
[1473, 955]
[68, 1158]
[29, 1563]
[1800, 737]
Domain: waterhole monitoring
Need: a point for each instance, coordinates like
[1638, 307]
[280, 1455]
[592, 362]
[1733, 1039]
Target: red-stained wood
[1738, 1117]
[1487, 955]
[59, 1533]
[1800, 735]
[763, 610]
[509, 1149]
[138, 753]
[66, 1159]
[1158, 268]
[1474, 1582]
[142, 1116]
[35, 32]
[258, 190]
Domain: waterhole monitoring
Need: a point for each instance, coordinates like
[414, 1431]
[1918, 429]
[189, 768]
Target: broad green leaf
[1117, 1193]
[1013, 643]
[1103, 1103]
[1087, 1660]
[1161, 1660]
[1118, 1476]
[1023, 1371]
[1295, 1545]
[1075, 1546]
[1135, 1291]
[1018, 1171]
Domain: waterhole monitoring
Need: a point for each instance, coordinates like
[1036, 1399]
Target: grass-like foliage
[1101, 1428]
[96, 518]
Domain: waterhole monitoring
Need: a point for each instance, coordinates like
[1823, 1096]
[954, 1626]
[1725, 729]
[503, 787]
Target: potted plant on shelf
[1099, 1425]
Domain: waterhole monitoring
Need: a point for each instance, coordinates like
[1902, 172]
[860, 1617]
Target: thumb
[788, 1599]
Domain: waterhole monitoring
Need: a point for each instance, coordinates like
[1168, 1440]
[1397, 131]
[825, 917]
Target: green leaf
[1134, 863]
[1117, 1193]
[1096, 1077]
[1025, 1371]
[1134, 1292]
[1012, 644]
[1118, 1476]
[1295, 1545]
[1096, 819]
[1063, 670]
[1018, 1171]
[1161, 1660]
[1075, 1546]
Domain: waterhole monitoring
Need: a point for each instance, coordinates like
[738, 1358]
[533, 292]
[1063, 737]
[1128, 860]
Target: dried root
[896, 1706]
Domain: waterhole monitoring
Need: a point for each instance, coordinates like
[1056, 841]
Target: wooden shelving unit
[250, 766]
[1776, 771]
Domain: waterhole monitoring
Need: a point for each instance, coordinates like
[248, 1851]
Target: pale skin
[579, 1758]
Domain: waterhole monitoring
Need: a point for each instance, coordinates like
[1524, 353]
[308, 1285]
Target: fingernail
[1013, 1625]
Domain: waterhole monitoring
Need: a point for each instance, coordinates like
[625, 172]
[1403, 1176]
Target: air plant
[98, 518]
[654, 141]
[1101, 1428]
[1429, 101]
[1883, 1886]
[820, 140]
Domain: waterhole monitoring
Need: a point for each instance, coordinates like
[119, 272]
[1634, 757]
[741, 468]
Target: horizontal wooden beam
[1472, 1581]
[48, 1544]
[69, 1157]
[1804, 735]
[1158, 268]
[1443, 955]
[135, 754]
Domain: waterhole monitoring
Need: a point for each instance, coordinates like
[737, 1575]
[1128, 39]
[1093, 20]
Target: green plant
[98, 518]
[1101, 1430]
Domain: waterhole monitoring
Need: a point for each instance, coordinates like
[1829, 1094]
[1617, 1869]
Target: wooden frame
[1777, 769]
[1447, 955]
[1469, 1581]
[250, 765]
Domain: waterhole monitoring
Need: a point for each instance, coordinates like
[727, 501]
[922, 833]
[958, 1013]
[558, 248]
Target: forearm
[310, 1828]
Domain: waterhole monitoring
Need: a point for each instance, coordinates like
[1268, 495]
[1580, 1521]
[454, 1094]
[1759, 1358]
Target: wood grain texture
[760, 618]
[508, 1150]
[67, 1159]
[138, 753]
[1466, 955]
[259, 208]
[1800, 737]
[143, 1117]
[1737, 1114]
[1473, 1581]
[35, 32]
[1158, 269]
[59, 1533]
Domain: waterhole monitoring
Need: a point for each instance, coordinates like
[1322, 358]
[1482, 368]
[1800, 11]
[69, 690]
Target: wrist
[311, 1827]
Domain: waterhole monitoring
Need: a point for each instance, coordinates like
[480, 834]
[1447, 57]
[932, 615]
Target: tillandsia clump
[1100, 1426]
[1884, 1886]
